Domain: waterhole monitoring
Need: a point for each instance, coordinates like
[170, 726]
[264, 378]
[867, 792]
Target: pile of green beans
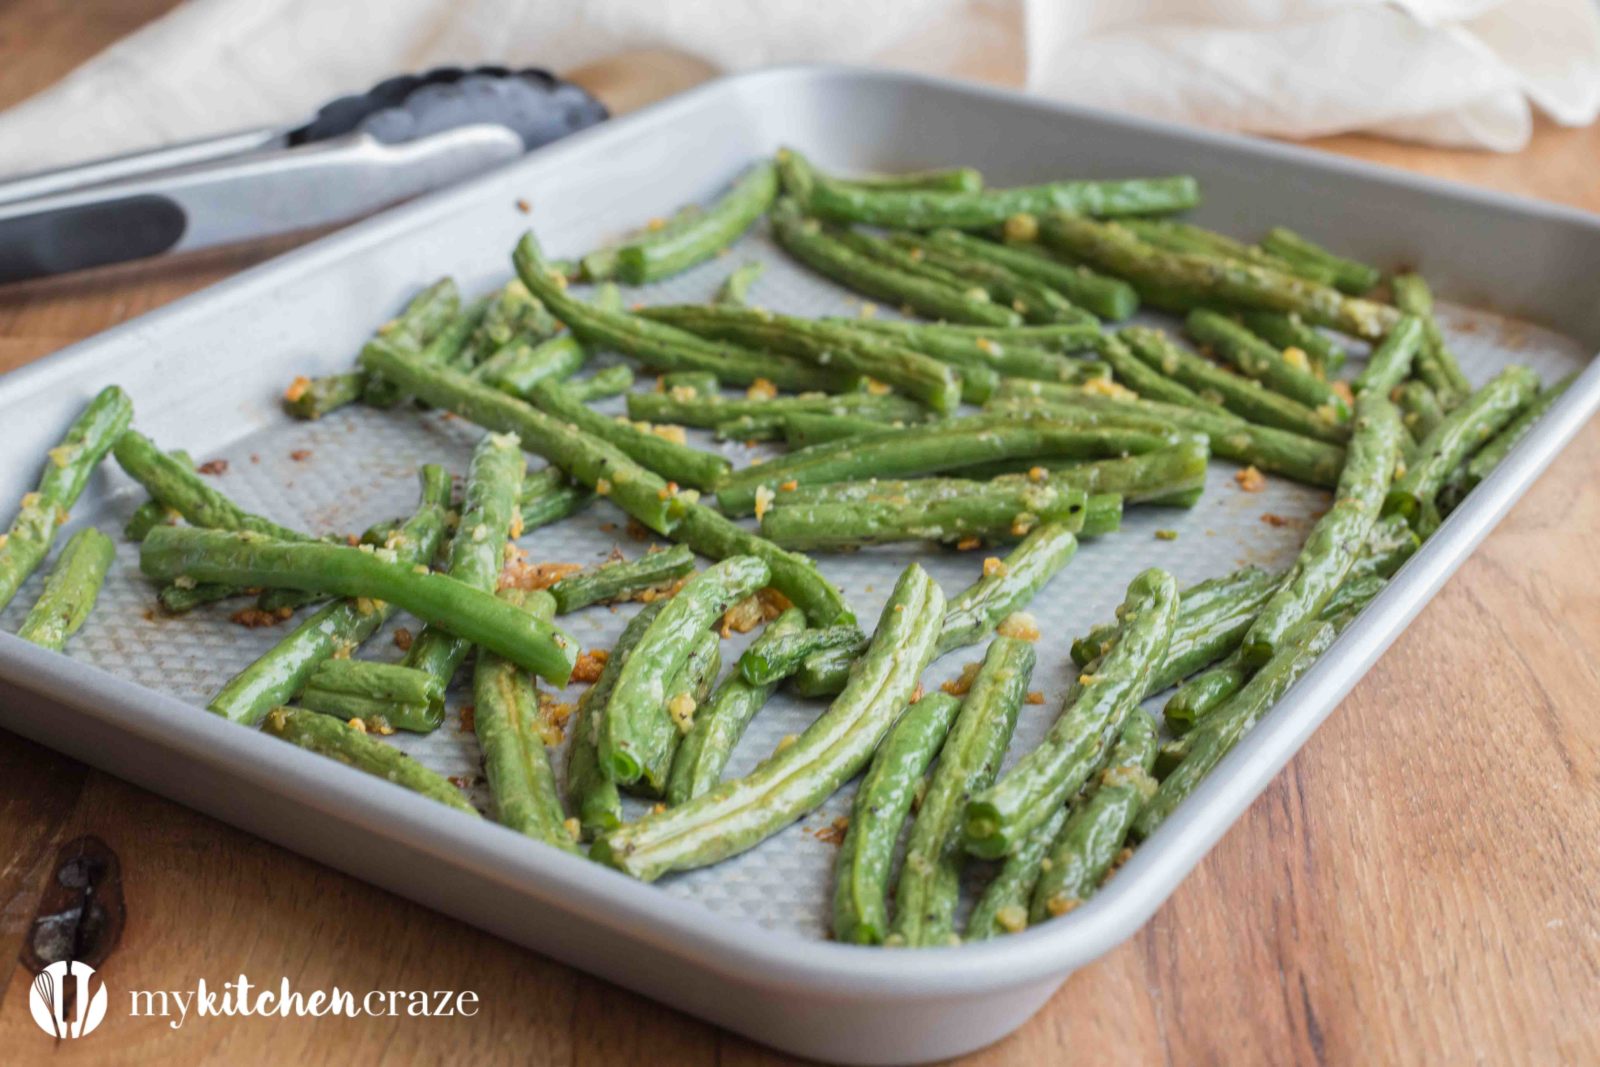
[983, 403]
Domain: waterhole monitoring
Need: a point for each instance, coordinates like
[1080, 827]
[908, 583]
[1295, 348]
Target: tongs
[357, 154]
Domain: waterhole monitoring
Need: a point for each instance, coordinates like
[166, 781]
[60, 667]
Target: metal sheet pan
[742, 944]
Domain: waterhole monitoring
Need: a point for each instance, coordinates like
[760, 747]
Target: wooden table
[1418, 887]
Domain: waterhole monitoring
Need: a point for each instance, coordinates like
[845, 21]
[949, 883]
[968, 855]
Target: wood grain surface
[1418, 887]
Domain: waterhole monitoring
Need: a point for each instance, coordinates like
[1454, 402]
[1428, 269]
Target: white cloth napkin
[1450, 72]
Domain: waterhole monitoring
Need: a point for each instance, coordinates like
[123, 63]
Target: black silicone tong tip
[537, 105]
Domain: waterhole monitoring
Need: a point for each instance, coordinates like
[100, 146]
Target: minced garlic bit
[467, 718]
[1166, 535]
[357, 725]
[962, 684]
[789, 486]
[1251, 480]
[30, 501]
[520, 575]
[479, 533]
[365, 605]
[1020, 625]
[61, 455]
[656, 224]
[602, 487]
[1059, 905]
[868, 310]
[1296, 357]
[573, 827]
[877, 388]
[589, 665]
[297, 388]
[1012, 918]
[681, 709]
[1034, 697]
[1037, 474]
[761, 389]
[993, 567]
[1023, 524]
[1107, 387]
[1341, 389]
[183, 581]
[764, 497]
[1022, 227]
[402, 639]
[669, 432]
[682, 393]
[967, 544]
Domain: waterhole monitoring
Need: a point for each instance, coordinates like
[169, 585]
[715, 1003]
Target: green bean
[513, 313]
[679, 464]
[601, 264]
[709, 412]
[1220, 730]
[1003, 907]
[637, 736]
[1347, 274]
[953, 180]
[384, 696]
[689, 689]
[656, 344]
[26, 543]
[1463, 431]
[1000, 818]
[910, 372]
[590, 789]
[1435, 364]
[1287, 331]
[1088, 844]
[992, 512]
[608, 381]
[930, 877]
[425, 320]
[70, 591]
[1420, 410]
[425, 315]
[1241, 396]
[1143, 374]
[993, 341]
[861, 875]
[924, 210]
[171, 553]
[621, 579]
[719, 226]
[801, 430]
[1109, 298]
[1274, 451]
[1391, 360]
[795, 576]
[704, 752]
[592, 461]
[1175, 236]
[819, 248]
[354, 747]
[519, 366]
[548, 496]
[1259, 360]
[505, 720]
[735, 288]
[1338, 536]
[153, 512]
[1492, 454]
[928, 449]
[282, 671]
[740, 814]
[477, 551]
[1035, 301]
[1187, 281]
[770, 662]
